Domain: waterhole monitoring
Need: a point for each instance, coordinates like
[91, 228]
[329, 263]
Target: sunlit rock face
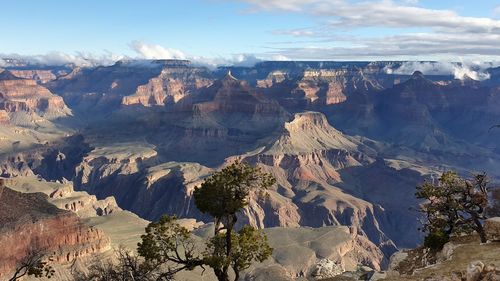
[172, 85]
[30, 223]
[19, 95]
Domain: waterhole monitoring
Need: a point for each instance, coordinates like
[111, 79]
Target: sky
[244, 31]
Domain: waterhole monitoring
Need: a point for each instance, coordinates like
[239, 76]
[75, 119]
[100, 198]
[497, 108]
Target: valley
[118, 146]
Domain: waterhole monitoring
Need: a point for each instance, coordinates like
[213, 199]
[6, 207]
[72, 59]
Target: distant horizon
[33, 62]
[459, 70]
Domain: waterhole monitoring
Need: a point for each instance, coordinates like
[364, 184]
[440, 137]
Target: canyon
[113, 147]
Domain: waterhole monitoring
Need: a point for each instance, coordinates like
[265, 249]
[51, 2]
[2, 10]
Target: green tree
[223, 195]
[453, 205]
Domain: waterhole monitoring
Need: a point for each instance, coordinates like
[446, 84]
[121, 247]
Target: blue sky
[223, 30]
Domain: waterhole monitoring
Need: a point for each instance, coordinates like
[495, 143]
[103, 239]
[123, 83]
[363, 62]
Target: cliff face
[307, 159]
[170, 86]
[29, 223]
[41, 76]
[25, 95]
[320, 87]
[224, 119]
[144, 83]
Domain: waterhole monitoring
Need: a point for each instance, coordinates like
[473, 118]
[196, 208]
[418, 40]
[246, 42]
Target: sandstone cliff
[170, 86]
[29, 104]
[29, 222]
[321, 86]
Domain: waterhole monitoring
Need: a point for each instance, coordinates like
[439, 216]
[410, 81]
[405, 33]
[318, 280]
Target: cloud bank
[149, 51]
[142, 51]
[460, 70]
[476, 70]
[60, 58]
[407, 30]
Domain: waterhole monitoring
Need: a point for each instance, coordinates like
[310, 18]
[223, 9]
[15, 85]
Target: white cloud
[461, 70]
[149, 51]
[60, 58]
[143, 51]
[234, 60]
[409, 30]
[385, 13]
[280, 58]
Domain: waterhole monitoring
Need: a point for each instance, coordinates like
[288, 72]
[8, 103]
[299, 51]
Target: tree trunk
[480, 230]
[236, 275]
[217, 226]
[221, 275]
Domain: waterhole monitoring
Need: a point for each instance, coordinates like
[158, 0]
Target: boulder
[396, 259]
[326, 268]
[474, 271]
[447, 252]
[492, 229]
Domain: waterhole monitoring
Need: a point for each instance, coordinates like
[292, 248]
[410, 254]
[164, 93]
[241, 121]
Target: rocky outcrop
[305, 160]
[324, 253]
[335, 85]
[41, 76]
[129, 82]
[492, 229]
[147, 191]
[464, 258]
[230, 95]
[81, 203]
[25, 95]
[170, 86]
[4, 117]
[229, 117]
[320, 86]
[29, 223]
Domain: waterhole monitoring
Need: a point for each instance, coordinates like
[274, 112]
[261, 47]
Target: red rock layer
[26, 95]
[169, 87]
[29, 223]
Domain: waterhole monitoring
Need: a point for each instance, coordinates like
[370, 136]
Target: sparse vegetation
[126, 267]
[36, 264]
[168, 248]
[453, 205]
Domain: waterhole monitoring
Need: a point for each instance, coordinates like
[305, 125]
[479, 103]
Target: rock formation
[170, 86]
[30, 223]
[39, 75]
[466, 259]
[492, 228]
[25, 96]
[336, 245]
